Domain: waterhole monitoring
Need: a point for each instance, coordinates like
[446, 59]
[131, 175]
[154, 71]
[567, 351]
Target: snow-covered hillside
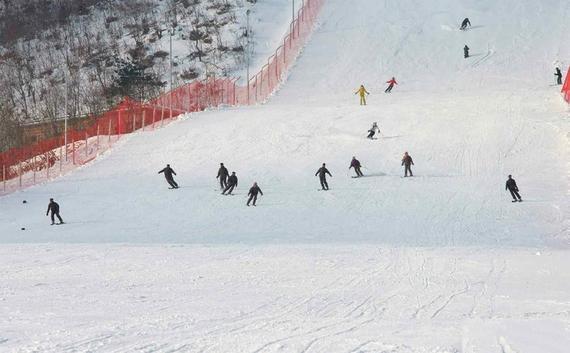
[105, 50]
[467, 123]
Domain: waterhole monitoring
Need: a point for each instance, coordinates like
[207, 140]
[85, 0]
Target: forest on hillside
[80, 57]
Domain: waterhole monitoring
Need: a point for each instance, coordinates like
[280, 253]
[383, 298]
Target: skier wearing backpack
[253, 191]
[355, 163]
[464, 24]
[373, 131]
[53, 207]
[511, 185]
[558, 75]
[465, 51]
[232, 183]
[168, 172]
[407, 162]
[391, 84]
[223, 176]
[362, 92]
[322, 173]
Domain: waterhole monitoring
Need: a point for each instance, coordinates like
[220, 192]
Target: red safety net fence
[28, 165]
[566, 87]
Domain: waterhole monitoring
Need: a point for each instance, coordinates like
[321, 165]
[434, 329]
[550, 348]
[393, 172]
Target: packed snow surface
[101, 298]
[441, 262]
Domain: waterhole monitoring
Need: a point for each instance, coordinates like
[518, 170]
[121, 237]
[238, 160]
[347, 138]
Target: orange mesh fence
[264, 83]
[566, 87]
[29, 164]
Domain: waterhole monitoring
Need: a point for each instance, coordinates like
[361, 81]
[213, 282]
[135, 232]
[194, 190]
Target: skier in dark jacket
[407, 162]
[53, 207]
[223, 176]
[558, 75]
[232, 183]
[465, 51]
[511, 185]
[253, 191]
[168, 172]
[355, 163]
[322, 173]
[464, 24]
[373, 130]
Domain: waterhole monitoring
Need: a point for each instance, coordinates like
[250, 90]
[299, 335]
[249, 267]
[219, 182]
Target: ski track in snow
[288, 299]
[439, 263]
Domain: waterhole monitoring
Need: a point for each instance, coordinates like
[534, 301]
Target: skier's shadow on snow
[391, 137]
[436, 176]
[373, 175]
[475, 27]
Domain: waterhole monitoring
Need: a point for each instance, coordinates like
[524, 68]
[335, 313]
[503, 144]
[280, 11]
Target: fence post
[4, 176]
[34, 168]
[269, 74]
[248, 92]
[284, 51]
[47, 166]
[276, 60]
[109, 141]
[188, 97]
[86, 144]
[97, 138]
[261, 84]
[61, 157]
[143, 117]
[119, 123]
[73, 150]
[153, 112]
[256, 85]
[134, 115]
[20, 172]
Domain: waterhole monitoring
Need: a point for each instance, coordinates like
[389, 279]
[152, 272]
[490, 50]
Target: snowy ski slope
[466, 123]
[441, 262]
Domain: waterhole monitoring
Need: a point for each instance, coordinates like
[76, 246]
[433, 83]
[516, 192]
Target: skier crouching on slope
[362, 92]
[355, 163]
[558, 75]
[391, 84]
[53, 207]
[465, 51]
[322, 173]
[253, 191]
[511, 185]
[373, 131]
[407, 162]
[464, 24]
[232, 183]
[223, 176]
[168, 172]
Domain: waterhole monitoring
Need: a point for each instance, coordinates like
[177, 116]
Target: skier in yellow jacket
[362, 91]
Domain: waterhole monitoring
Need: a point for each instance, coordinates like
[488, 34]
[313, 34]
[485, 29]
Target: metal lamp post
[65, 117]
[170, 95]
[247, 51]
[293, 11]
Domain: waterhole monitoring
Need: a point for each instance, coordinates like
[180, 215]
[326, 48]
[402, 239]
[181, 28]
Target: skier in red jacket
[391, 84]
